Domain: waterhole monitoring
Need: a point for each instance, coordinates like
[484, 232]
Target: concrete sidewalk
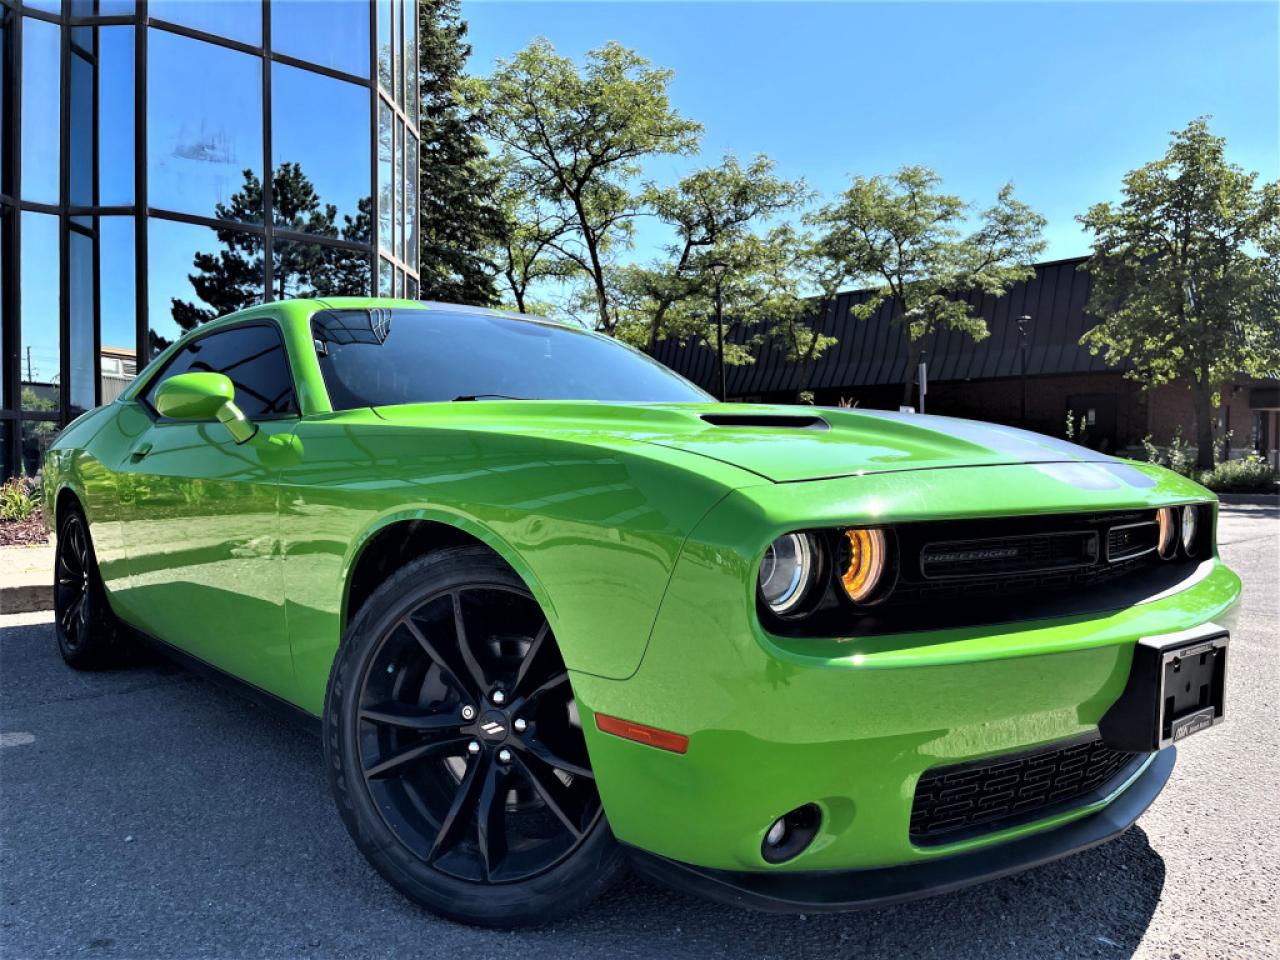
[26, 578]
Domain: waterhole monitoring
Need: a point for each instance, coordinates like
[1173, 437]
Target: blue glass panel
[316, 270]
[384, 43]
[80, 348]
[332, 33]
[41, 156]
[386, 199]
[227, 265]
[397, 223]
[336, 164]
[238, 19]
[80, 148]
[52, 6]
[411, 201]
[411, 58]
[40, 358]
[204, 128]
[119, 299]
[115, 115]
[101, 8]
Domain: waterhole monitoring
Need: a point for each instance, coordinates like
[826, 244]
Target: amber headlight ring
[866, 565]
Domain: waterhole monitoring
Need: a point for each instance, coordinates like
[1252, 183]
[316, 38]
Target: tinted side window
[252, 357]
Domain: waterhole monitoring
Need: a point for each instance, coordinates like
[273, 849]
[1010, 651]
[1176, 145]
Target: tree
[580, 135]
[903, 235]
[710, 211]
[526, 253]
[1186, 271]
[232, 278]
[460, 219]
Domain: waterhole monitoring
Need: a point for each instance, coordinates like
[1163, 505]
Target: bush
[1250, 475]
[1177, 456]
[19, 499]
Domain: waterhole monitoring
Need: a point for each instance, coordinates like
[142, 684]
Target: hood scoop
[776, 421]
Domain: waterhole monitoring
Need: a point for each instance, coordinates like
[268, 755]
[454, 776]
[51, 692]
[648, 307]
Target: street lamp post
[718, 269]
[1023, 321]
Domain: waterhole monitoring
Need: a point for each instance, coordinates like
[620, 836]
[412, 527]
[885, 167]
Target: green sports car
[556, 611]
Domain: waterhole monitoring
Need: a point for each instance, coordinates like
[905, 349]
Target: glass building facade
[164, 162]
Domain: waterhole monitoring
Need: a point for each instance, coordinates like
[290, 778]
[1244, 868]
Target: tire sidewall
[565, 887]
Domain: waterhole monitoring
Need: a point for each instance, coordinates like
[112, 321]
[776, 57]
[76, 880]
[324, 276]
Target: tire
[480, 808]
[89, 635]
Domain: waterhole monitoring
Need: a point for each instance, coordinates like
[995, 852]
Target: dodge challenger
[556, 612]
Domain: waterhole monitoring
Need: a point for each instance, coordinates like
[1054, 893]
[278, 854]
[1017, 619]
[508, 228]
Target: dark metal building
[983, 379]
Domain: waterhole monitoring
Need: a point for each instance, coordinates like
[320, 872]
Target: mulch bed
[21, 532]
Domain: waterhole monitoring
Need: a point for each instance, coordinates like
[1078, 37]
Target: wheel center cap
[493, 725]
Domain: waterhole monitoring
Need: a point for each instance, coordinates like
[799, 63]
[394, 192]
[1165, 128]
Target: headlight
[865, 568]
[1190, 525]
[787, 572]
[1168, 524]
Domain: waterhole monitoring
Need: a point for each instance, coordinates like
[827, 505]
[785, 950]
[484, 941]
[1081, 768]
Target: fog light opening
[791, 833]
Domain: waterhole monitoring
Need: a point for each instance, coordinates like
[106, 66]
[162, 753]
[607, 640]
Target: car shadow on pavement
[154, 814]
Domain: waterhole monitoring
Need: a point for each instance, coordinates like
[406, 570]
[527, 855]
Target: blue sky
[1060, 98]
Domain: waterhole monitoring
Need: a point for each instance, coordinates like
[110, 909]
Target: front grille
[963, 559]
[955, 803]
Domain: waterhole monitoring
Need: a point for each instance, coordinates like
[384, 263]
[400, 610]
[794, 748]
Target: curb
[1262, 499]
[27, 598]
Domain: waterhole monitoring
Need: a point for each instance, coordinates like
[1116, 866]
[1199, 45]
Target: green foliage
[19, 499]
[231, 278]
[1186, 272]
[711, 213]
[461, 219]
[1176, 457]
[906, 238]
[1250, 475]
[577, 136]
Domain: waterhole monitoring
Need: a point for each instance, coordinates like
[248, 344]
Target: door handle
[140, 451]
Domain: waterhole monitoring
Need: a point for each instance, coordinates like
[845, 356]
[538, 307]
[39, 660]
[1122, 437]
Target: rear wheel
[89, 636]
[455, 751]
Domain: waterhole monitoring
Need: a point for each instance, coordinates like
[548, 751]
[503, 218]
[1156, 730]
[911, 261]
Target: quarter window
[252, 357]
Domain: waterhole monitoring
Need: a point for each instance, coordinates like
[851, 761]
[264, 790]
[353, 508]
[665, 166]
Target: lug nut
[520, 725]
[468, 712]
[499, 697]
[473, 747]
[504, 756]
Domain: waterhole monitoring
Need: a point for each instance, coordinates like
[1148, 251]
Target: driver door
[200, 515]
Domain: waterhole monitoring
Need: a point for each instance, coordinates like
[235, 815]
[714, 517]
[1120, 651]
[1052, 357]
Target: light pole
[718, 269]
[1023, 321]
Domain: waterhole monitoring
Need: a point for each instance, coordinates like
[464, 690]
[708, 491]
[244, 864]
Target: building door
[200, 516]
[1094, 415]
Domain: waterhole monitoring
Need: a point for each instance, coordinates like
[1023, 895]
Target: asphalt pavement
[147, 813]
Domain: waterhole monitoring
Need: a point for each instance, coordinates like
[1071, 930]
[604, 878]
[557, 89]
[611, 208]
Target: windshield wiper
[487, 396]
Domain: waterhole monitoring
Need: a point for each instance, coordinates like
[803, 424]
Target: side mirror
[204, 396]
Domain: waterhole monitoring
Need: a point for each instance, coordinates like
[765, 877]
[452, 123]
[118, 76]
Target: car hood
[780, 443]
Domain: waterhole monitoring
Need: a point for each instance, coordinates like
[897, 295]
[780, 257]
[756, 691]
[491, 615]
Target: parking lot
[148, 813]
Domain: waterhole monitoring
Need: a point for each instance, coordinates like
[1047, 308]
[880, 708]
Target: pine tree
[231, 278]
[460, 222]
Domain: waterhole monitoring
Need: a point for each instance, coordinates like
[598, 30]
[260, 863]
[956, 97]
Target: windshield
[372, 358]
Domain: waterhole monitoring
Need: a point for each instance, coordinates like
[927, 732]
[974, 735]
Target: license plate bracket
[1176, 687]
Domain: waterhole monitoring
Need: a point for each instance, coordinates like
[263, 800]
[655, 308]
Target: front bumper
[815, 891]
[850, 724]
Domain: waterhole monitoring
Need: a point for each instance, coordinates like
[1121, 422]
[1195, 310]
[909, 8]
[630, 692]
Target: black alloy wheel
[89, 636]
[454, 734]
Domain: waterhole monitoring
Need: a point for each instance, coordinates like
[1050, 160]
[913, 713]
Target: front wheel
[455, 751]
[89, 636]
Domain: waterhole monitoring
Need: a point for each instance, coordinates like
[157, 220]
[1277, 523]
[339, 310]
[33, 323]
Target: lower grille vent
[958, 802]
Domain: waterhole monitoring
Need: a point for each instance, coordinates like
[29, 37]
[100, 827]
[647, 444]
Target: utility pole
[30, 379]
[718, 269]
[1023, 322]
